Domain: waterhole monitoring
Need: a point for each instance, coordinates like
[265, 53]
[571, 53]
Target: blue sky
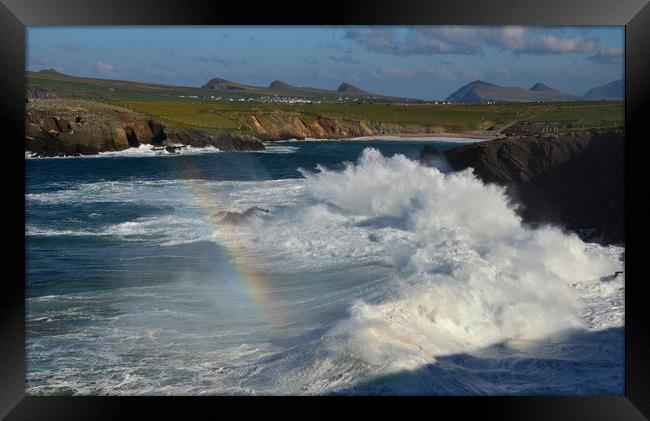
[418, 62]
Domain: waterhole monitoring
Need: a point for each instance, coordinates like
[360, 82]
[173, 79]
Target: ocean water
[370, 274]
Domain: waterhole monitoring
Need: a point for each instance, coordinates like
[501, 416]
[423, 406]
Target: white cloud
[105, 68]
[554, 45]
[470, 40]
[608, 55]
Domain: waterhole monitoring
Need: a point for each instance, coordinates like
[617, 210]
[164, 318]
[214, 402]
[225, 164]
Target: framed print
[405, 200]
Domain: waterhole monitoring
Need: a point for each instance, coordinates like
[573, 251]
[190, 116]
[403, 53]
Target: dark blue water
[74, 263]
[47, 174]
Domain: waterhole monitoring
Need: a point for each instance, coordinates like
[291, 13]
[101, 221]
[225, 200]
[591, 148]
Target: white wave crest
[142, 150]
[280, 149]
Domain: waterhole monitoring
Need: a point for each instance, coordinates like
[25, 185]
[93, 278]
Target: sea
[359, 270]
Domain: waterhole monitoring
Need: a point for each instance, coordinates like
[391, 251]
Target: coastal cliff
[279, 126]
[68, 127]
[575, 180]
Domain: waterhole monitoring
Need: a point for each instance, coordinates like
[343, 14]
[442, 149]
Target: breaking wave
[469, 274]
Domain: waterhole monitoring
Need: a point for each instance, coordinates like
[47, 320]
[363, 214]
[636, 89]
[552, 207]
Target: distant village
[277, 99]
[268, 98]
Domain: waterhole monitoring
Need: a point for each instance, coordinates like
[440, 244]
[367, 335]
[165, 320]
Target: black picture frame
[15, 15]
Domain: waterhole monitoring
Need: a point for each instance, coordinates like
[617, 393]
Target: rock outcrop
[222, 141]
[65, 127]
[72, 127]
[237, 218]
[575, 180]
[40, 92]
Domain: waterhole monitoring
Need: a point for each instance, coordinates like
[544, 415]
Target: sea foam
[468, 275]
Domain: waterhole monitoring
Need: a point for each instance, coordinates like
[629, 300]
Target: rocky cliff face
[224, 141]
[279, 126]
[63, 127]
[575, 180]
[71, 127]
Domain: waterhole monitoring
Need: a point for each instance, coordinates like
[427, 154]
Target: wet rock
[157, 132]
[573, 180]
[237, 218]
[221, 141]
[429, 154]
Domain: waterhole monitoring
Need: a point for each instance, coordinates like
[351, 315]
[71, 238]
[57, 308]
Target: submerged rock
[429, 154]
[236, 218]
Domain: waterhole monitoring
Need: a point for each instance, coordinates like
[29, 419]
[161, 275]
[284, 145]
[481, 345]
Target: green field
[451, 117]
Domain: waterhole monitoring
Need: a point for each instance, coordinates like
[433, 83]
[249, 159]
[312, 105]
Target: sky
[426, 62]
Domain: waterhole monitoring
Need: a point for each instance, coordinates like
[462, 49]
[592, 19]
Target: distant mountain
[472, 92]
[278, 84]
[551, 93]
[283, 88]
[223, 88]
[613, 90]
[50, 72]
[226, 85]
[350, 89]
[278, 87]
[480, 92]
[540, 87]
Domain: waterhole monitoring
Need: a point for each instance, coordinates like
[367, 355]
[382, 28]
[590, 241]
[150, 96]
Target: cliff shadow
[584, 363]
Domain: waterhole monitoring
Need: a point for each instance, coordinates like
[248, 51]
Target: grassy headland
[217, 111]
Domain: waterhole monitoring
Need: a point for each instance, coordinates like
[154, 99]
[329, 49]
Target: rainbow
[253, 284]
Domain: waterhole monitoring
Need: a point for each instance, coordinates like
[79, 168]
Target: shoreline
[147, 150]
[445, 137]
[448, 134]
[425, 137]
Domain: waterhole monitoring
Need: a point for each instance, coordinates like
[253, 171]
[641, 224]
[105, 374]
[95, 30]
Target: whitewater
[370, 274]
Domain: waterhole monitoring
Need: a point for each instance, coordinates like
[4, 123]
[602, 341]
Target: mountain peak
[479, 82]
[539, 86]
[217, 83]
[50, 72]
[612, 90]
[480, 92]
[345, 87]
[222, 84]
[278, 87]
[279, 84]
[348, 88]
